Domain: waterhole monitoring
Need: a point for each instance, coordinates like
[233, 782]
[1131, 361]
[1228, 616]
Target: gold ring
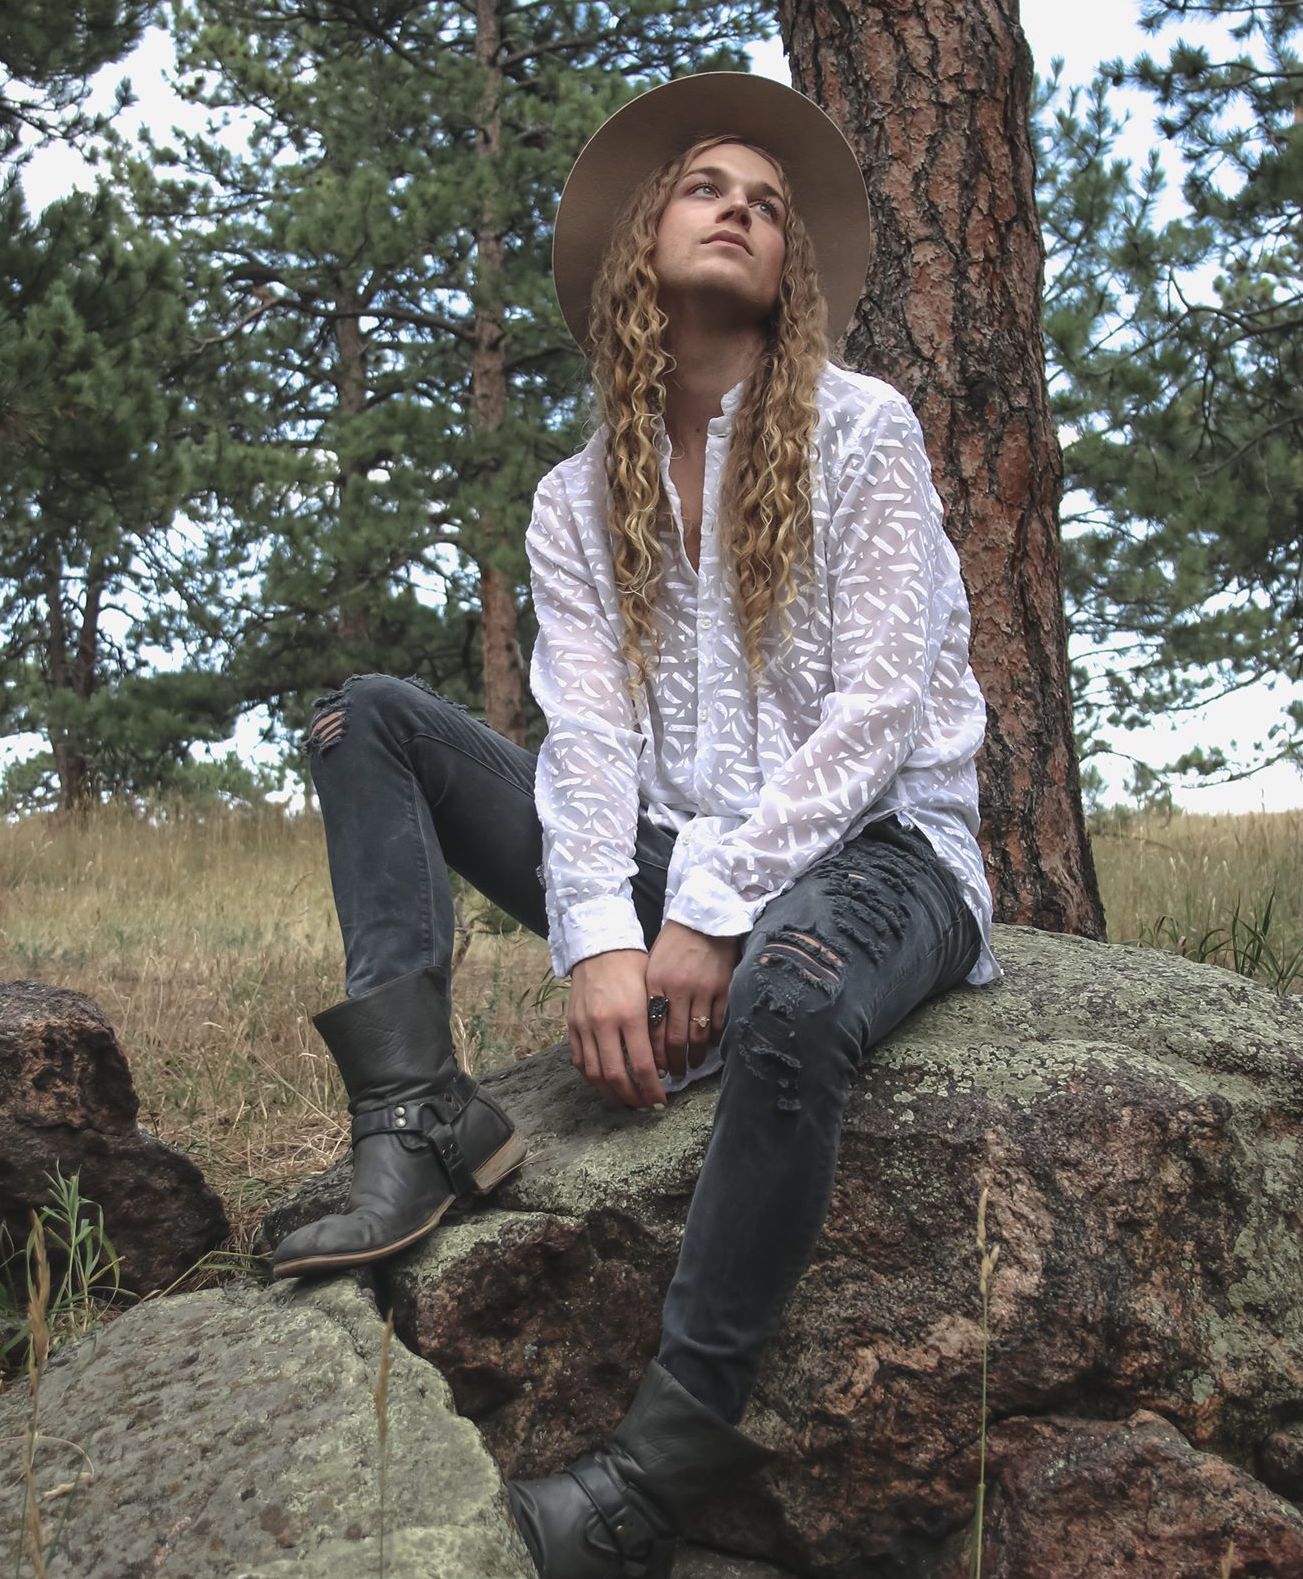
[703, 1020]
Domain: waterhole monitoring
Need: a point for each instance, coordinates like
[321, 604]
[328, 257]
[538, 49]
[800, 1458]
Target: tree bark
[351, 393]
[504, 688]
[934, 96]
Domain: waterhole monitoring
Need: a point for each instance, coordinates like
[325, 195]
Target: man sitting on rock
[750, 835]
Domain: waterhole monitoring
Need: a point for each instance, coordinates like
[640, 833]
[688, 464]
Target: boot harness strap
[634, 1535]
[431, 1116]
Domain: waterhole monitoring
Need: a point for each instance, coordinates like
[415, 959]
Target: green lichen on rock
[234, 1431]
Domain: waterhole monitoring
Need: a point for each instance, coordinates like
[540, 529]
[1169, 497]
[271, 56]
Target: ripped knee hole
[328, 726]
[818, 962]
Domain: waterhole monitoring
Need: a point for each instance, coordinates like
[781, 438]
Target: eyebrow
[763, 187]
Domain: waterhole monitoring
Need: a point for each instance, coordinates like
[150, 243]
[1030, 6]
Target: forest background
[275, 391]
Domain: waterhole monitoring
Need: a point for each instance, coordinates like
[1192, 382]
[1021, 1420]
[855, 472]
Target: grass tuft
[88, 1283]
[1221, 890]
[38, 1350]
[986, 1268]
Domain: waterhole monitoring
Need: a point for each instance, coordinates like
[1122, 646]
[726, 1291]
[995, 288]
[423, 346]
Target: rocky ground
[1135, 1121]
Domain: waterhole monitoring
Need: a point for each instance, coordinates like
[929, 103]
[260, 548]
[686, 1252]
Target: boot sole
[499, 1166]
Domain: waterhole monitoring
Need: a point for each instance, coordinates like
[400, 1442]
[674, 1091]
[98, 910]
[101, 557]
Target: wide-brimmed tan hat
[827, 186]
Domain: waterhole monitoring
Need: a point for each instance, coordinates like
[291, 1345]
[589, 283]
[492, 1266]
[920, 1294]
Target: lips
[729, 235]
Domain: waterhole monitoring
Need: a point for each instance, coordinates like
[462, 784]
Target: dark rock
[1280, 1461]
[696, 1562]
[67, 1101]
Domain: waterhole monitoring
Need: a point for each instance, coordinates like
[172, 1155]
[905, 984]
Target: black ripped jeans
[408, 781]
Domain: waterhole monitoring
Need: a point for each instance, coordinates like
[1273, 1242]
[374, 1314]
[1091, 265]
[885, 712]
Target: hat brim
[827, 185]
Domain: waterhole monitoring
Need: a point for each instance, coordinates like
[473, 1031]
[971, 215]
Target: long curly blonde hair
[765, 512]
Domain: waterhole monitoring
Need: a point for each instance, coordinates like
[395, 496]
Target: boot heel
[504, 1161]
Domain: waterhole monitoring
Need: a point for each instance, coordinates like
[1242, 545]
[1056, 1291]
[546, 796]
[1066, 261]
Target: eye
[770, 209]
[702, 186]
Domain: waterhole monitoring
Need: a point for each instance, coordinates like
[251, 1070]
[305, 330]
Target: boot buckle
[450, 1103]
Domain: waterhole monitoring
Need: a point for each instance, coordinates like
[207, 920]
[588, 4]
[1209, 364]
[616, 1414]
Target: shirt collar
[728, 408]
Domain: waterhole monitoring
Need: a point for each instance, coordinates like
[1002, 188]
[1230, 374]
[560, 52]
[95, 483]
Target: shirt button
[706, 623]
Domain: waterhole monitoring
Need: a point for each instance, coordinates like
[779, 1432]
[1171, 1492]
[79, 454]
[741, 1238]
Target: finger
[676, 1054]
[592, 1058]
[676, 1022]
[642, 1066]
[656, 1041]
[576, 1047]
[698, 1034]
[615, 1077]
[656, 1033]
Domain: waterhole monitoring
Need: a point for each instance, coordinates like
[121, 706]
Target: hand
[693, 971]
[607, 1021]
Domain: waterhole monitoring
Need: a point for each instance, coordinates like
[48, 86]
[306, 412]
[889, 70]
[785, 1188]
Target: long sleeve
[893, 603]
[586, 789]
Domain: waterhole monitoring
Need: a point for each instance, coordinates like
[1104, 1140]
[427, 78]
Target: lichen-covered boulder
[67, 1101]
[1136, 1120]
[234, 1432]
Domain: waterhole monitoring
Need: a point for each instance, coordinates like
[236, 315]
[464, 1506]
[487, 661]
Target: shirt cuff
[595, 926]
[707, 904]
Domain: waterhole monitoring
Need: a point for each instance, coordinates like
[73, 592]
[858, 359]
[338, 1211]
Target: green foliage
[48, 50]
[82, 1257]
[95, 467]
[1244, 944]
[32, 785]
[1177, 367]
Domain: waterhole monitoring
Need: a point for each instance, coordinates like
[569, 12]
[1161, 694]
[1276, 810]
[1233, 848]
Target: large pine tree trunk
[504, 687]
[934, 96]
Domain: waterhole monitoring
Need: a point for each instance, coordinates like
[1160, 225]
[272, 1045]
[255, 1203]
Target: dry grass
[1201, 886]
[209, 941]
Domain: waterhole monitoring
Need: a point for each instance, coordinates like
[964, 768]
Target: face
[721, 234]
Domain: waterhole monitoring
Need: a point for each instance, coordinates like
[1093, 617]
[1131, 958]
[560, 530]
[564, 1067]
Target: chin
[727, 305]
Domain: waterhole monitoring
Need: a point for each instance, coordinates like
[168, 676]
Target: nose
[737, 208]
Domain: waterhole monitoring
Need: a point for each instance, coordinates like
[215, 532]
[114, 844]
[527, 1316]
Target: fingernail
[658, 1107]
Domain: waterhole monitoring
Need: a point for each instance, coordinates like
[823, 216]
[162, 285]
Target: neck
[708, 362]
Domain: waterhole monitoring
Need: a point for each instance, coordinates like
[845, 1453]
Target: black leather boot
[616, 1513]
[424, 1133]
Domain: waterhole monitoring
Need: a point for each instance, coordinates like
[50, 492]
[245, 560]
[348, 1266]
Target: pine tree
[93, 473]
[935, 96]
[386, 373]
[48, 51]
[1179, 355]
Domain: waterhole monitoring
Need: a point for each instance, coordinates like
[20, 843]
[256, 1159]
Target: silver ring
[657, 1009]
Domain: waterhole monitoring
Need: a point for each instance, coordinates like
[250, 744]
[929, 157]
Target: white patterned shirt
[870, 708]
